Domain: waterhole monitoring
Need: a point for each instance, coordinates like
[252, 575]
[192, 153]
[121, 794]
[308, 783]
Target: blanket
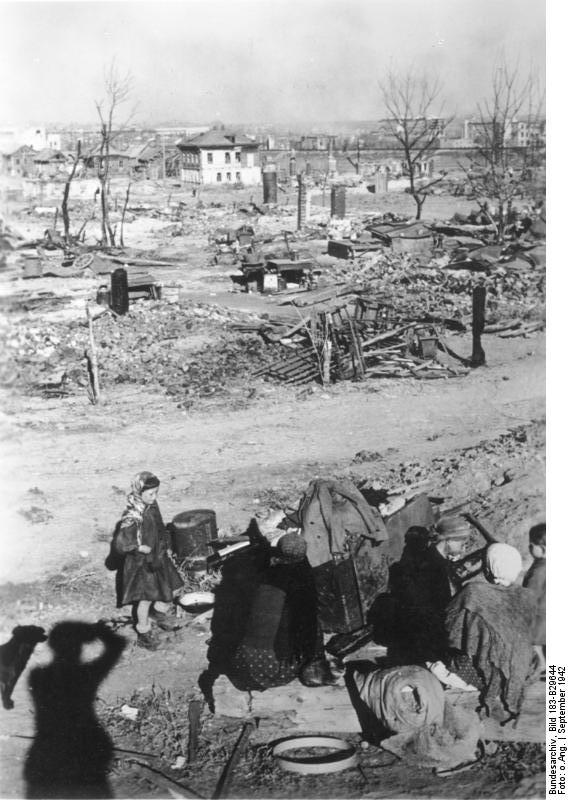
[493, 625]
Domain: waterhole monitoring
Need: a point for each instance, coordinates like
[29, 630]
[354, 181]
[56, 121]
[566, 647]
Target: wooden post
[327, 348]
[194, 714]
[478, 324]
[123, 215]
[326, 362]
[93, 358]
[226, 778]
[302, 202]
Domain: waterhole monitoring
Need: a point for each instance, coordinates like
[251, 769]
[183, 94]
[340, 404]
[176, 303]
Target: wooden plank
[226, 779]
[328, 709]
[387, 335]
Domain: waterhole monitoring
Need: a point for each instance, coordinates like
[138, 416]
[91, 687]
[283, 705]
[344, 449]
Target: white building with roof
[218, 157]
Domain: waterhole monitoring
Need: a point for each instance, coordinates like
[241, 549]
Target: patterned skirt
[256, 669]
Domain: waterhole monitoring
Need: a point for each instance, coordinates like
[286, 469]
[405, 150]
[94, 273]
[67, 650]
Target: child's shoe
[149, 640]
[167, 622]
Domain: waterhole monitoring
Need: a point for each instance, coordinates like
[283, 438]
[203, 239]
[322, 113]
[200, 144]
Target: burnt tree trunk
[124, 214]
[478, 325]
[65, 200]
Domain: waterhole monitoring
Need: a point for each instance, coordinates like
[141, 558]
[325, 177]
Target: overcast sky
[254, 60]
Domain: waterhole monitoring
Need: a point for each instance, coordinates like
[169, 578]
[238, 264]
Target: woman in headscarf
[488, 627]
[149, 577]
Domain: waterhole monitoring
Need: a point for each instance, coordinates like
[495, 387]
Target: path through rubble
[67, 464]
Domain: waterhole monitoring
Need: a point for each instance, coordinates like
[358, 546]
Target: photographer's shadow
[72, 752]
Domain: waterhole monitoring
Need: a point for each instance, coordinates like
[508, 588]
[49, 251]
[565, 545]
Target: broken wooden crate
[364, 338]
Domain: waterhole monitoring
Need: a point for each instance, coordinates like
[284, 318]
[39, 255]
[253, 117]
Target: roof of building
[214, 138]
[143, 151]
[17, 148]
[112, 153]
[50, 155]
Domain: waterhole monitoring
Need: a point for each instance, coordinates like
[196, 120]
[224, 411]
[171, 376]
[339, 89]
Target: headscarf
[504, 563]
[292, 547]
[135, 506]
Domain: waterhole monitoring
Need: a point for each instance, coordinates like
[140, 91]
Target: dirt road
[68, 464]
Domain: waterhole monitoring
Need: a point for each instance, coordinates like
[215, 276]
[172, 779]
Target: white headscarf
[504, 563]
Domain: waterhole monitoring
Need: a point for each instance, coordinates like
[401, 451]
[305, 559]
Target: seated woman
[281, 639]
[409, 619]
[411, 622]
[488, 627]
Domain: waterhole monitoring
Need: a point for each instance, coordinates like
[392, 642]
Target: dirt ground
[67, 465]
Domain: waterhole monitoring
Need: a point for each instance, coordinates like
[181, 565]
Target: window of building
[229, 177]
[120, 163]
[209, 158]
[227, 158]
[238, 157]
[219, 177]
[237, 176]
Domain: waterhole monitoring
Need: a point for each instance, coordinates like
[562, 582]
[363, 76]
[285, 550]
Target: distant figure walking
[71, 751]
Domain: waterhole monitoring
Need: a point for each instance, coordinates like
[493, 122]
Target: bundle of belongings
[409, 703]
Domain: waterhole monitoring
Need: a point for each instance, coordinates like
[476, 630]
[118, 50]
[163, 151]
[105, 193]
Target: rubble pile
[431, 267]
[155, 344]
[416, 289]
[463, 474]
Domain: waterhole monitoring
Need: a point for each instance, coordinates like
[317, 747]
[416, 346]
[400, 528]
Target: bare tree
[117, 90]
[503, 160]
[411, 101]
[66, 190]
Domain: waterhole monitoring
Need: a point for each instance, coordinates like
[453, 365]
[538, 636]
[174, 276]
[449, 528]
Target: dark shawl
[283, 614]
[146, 576]
[493, 625]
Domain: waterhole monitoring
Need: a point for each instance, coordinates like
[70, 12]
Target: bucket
[192, 530]
[428, 346]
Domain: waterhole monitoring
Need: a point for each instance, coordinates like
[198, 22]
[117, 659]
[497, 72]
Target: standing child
[149, 577]
[535, 580]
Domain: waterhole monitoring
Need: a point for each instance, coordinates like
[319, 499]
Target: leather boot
[318, 673]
